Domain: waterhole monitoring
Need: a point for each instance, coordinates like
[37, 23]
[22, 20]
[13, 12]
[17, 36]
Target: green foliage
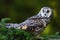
[3, 21]
[12, 34]
[55, 36]
[18, 34]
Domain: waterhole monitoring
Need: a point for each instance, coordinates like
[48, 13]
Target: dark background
[20, 10]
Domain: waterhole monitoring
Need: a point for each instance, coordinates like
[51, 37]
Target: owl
[36, 23]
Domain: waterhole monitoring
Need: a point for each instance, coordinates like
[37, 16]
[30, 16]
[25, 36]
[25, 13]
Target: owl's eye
[47, 11]
[43, 10]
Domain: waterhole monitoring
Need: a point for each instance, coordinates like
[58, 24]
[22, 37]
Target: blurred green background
[20, 10]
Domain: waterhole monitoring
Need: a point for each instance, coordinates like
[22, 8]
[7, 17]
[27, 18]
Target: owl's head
[45, 12]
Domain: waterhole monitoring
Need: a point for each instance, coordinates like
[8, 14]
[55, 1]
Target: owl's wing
[33, 24]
